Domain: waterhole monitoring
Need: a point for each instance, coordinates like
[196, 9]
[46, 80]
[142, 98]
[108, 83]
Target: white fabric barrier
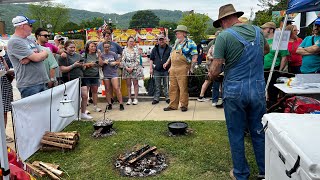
[31, 116]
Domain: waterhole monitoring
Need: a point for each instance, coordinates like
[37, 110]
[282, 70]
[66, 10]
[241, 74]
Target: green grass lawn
[203, 155]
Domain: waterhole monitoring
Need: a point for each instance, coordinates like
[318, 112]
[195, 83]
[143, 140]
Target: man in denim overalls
[241, 48]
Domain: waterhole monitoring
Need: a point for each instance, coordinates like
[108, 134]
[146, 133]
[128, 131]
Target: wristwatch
[52, 79]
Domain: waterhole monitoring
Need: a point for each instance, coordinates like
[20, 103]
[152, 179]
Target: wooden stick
[59, 140]
[55, 171]
[153, 148]
[34, 170]
[51, 148]
[56, 166]
[67, 146]
[62, 135]
[53, 176]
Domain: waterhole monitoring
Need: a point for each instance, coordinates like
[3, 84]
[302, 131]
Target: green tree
[170, 26]
[197, 25]
[95, 22]
[262, 17]
[144, 19]
[49, 13]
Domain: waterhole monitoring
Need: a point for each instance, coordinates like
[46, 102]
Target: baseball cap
[317, 22]
[58, 37]
[269, 25]
[161, 36]
[19, 20]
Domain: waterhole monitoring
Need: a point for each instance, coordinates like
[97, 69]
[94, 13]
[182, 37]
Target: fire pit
[103, 128]
[141, 162]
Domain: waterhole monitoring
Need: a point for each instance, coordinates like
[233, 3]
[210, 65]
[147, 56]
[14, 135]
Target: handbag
[151, 86]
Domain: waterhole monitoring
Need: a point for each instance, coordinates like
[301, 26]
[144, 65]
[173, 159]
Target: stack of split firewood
[40, 169]
[59, 140]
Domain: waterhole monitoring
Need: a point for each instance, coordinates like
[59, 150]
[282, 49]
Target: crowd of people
[240, 58]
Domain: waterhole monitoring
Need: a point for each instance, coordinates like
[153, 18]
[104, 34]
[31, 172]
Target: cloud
[210, 7]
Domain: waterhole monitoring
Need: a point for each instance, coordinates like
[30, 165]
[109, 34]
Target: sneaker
[87, 112]
[121, 107]
[202, 99]
[109, 107]
[129, 102]
[96, 109]
[135, 101]
[168, 101]
[260, 177]
[232, 175]
[9, 139]
[85, 116]
[219, 105]
[214, 104]
[155, 102]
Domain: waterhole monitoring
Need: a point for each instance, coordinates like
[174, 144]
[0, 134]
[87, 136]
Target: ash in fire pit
[103, 128]
[143, 162]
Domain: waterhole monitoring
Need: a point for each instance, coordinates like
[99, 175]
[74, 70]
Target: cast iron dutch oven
[178, 127]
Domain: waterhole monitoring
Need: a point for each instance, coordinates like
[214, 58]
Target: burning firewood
[141, 162]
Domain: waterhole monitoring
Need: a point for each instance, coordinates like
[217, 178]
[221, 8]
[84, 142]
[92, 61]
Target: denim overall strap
[244, 104]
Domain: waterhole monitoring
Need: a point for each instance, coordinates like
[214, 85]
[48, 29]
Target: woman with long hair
[132, 71]
[72, 68]
[91, 71]
[110, 62]
[294, 59]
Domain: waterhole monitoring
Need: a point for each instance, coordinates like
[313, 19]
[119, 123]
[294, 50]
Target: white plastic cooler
[292, 146]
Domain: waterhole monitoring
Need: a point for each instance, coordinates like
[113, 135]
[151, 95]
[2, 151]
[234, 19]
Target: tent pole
[276, 54]
[3, 149]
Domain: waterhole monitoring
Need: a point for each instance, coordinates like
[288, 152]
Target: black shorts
[91, 81]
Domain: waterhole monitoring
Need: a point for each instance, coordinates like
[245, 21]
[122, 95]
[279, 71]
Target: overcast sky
[210, 7]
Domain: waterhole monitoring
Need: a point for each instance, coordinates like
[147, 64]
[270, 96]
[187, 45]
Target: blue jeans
[31, 90]
[158, 78]
[215, 91]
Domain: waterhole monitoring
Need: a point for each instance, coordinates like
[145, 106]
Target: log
[73, 135]
[56, 166]
[50, 148]
[67, 146]
[34, 170]
[153, 148]
[53, 170]
[52, 176]
[59, 140]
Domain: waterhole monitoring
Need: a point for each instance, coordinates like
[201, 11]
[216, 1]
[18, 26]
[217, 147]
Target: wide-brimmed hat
[182, 28]
[225, 11]
[269, 25]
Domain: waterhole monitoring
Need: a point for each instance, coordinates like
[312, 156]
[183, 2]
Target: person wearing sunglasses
[42, 36]
[27, 58]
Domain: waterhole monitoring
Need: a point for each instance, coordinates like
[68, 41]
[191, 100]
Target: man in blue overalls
[240, 49]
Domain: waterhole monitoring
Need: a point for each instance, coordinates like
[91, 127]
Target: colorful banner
[143, 36]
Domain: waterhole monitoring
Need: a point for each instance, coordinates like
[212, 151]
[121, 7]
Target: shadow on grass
[202, 155]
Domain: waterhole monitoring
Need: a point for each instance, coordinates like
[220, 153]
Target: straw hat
[243, 20]
[182, 28]
[225, 11]
[269, 25]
